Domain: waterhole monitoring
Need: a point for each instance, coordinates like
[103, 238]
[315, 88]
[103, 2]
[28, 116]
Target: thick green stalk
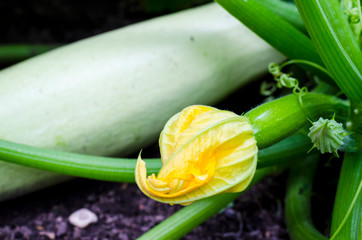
[275, 30]
[191, 216]
[347, 218]
[335, 43]
[78, 165]
[17, 52]
[297, 209]
[275, 120]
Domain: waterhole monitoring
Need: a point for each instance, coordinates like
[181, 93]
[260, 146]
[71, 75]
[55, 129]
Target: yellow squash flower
[204, 151]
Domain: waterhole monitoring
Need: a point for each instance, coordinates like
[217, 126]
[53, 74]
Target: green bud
[327, 135]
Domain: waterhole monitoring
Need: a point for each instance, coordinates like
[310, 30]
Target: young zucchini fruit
[113, 93]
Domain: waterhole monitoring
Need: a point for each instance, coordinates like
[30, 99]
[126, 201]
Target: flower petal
[205, 151]
[176, 126]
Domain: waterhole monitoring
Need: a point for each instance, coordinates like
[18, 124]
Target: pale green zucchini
[113, 93]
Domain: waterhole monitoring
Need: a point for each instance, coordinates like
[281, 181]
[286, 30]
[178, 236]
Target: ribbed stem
[94, 167]
[346, 221]
[297, 205]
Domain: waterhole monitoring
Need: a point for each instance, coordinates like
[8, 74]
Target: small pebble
[82, 218]
[124, 186]
[159, 218]
[145, 228]
[49, 235]
[39, 228]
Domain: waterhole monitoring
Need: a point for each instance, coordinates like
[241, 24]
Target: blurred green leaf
[286, 10]
[276, 31]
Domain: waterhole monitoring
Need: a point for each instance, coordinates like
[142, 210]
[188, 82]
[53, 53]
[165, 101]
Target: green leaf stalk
[297, 209]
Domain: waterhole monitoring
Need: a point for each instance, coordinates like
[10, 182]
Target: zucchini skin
[113, 93]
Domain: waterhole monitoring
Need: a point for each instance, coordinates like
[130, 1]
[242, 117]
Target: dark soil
[123, 211]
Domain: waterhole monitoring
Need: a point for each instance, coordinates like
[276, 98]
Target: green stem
[94, 167]
[349, 211]
[278, 119]
[348, 203]
[191, 216]
[297, 204]
[272, 122]
[18, 52]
